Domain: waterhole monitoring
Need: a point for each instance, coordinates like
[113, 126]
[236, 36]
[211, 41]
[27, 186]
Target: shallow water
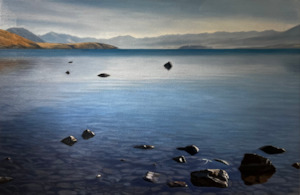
[227, 102]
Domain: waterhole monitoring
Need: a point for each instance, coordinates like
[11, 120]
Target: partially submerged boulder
[67, 72]
[5, 179]
[151, 177]
[103, 75]
[272, 149]
[87, 134]
[70, 140]
[168, 65]
[256, 169]
[177, 184]
[296, 165]
[146, 147]
[210, 178]
[180, 159]
[192, 149]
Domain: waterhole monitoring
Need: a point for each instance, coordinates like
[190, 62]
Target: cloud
[108, 18]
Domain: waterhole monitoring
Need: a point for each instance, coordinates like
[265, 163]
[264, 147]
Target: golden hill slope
[11, 40]
[88, 45]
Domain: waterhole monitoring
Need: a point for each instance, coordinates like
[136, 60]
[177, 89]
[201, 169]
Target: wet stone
[177, 184]
[67, 72]
[192, 149]
[70, 140]
[151, 177]
[103, 75]
[87, 134]
[210, 178]
[296, 165]
[168, 65]
[5, 179]
[146, 147]
[272, 149]
[180, 159]
[222, 161]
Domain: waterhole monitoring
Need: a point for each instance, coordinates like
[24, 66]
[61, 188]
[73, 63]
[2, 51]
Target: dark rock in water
[7, 159]
[272, 150]
[222, 161]
[180, 159]
[168, 65]
[70, 140]
[210, 178]
[144, 146]
[87, 134]
[67, 72]
[103, 75]
[192, 149]
[256, 169]
[152, 177]
[70, 62]
[296, 165]
[5, 179]
[177, 184]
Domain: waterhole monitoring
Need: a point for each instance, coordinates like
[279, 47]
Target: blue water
[227, 102]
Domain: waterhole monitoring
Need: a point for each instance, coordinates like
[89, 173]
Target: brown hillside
[11, 41]
[88, 45]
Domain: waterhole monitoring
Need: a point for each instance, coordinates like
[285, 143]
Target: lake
[226, 102]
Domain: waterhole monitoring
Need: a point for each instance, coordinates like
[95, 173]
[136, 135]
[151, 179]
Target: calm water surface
[227, 102]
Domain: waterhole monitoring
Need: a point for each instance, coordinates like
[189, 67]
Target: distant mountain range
[10, 40]
[250, 39]
[26, 34]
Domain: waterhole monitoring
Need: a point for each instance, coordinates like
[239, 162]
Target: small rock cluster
[71, 140]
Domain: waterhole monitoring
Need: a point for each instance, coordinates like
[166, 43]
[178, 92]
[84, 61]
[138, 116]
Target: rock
[151, 177]
[103, 75]
[272, 150]
[256, 169]
[296, 165]
[87, 134]
[70, 62]
[144, 146]
[98, 176]
[210, 178]
[168, 65]
[5, 179]
[192, 149]
[70, 140]
[222, 161]
[177, 184]
[180, 159]
[67, 72]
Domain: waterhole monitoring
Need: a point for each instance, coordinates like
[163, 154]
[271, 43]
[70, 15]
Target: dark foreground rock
[272, 149]
[192, 149]
[151, 177]
[67, 72]
[168, 65]
[210, 178]
[5, 179]
[177, 184]
[87, 134]
[296, 165]
[256, 169]
[103, 75]
[222, 161]
[146, 147]
[70, 62]
[180, 159]
[70, 140]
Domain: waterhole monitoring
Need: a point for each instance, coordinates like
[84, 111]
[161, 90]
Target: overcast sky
[147, 18]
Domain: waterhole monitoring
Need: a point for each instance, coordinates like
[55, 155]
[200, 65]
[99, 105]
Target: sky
[148, 18]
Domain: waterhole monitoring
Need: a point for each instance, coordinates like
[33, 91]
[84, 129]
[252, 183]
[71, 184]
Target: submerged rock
[144, 147]
[103, 75]
[177, 184]
[180, 159]
[210, 178]
[168, 65]
[5, 179]
[67, 72]
[87, 134]
[192, 149]
[70, 140]
[272, 149]
[222, 161]
[151, 177]
[256, 169]
[70, 62]
[296, 165]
